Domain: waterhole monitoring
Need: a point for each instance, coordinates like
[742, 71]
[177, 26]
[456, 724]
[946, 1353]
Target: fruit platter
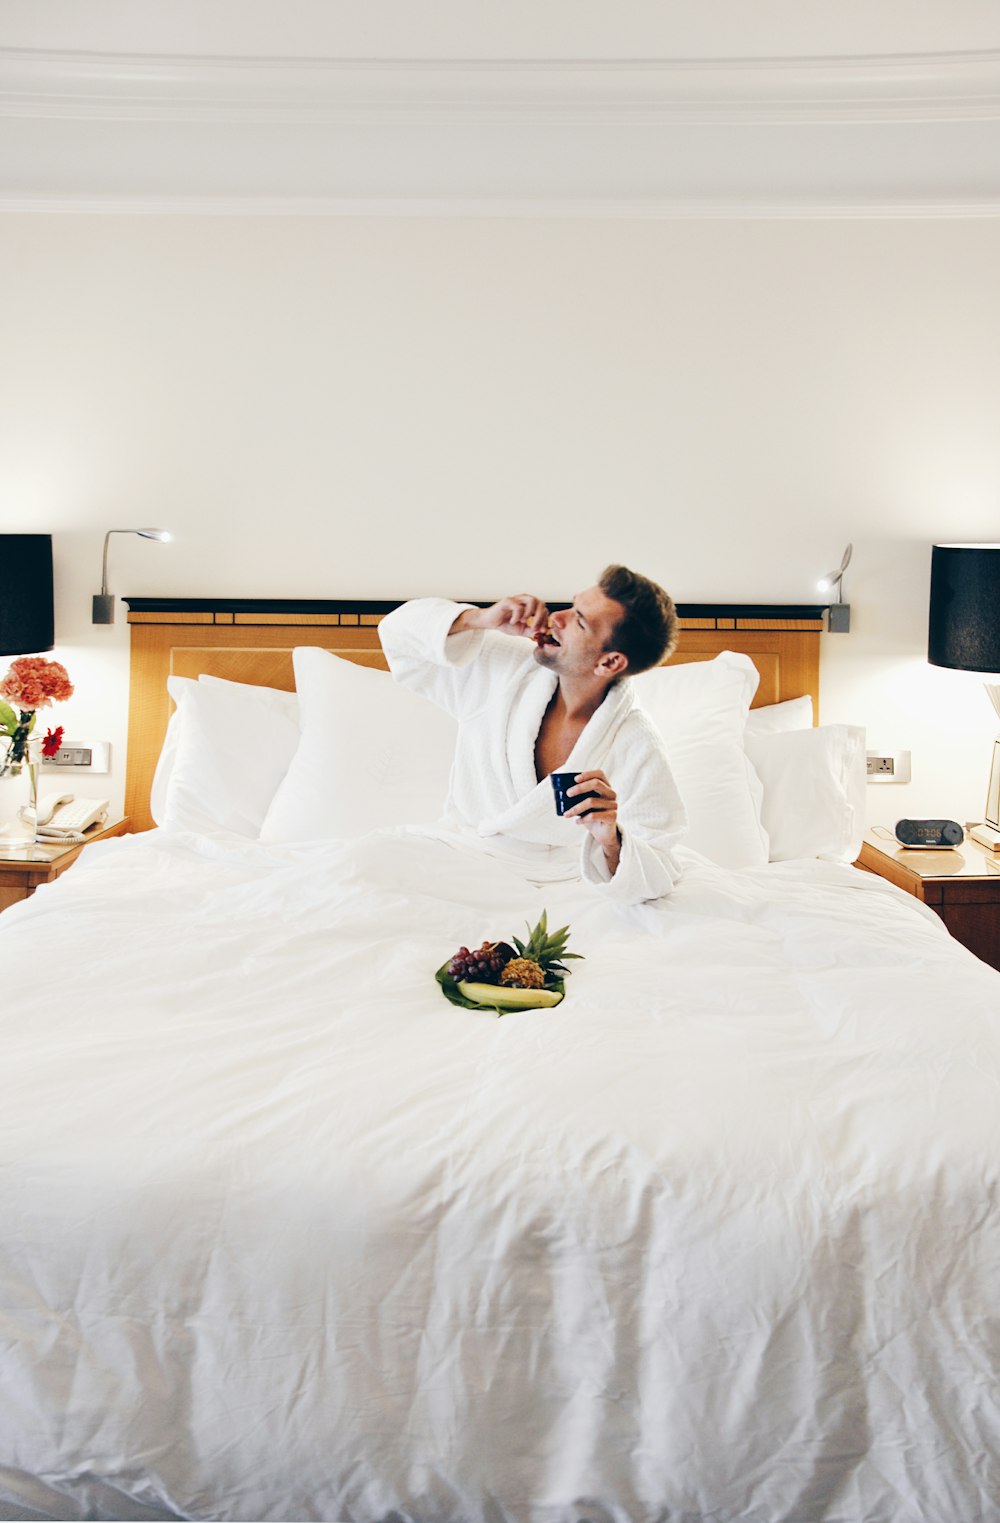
[499, 976]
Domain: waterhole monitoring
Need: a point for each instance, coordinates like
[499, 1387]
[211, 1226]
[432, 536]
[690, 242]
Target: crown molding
[635, 209]
[935, 87]
[898, 136]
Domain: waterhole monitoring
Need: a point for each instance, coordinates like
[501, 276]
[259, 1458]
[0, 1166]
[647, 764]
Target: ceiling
[556, 107]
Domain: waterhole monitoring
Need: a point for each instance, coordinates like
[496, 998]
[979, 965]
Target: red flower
[52, 743]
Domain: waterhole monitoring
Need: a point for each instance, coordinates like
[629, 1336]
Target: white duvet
[284, 1235]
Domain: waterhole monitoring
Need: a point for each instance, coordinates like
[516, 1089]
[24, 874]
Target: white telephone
[63, 817]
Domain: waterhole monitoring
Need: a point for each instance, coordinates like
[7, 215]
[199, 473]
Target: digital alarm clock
[929, 834]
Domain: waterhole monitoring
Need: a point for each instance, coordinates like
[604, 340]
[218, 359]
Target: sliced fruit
[510, 999]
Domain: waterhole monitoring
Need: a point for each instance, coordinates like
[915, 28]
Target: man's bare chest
[554, 744]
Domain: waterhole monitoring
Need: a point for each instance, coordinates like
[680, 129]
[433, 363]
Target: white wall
[330, 407]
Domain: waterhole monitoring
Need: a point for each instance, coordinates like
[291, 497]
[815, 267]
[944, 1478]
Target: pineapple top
[549, 951]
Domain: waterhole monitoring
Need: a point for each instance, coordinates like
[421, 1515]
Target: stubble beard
[543, 656]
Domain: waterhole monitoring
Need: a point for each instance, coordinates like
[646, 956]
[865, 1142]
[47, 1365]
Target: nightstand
[22, 870]
[961, 885]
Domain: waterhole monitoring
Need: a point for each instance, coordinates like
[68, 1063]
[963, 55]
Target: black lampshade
[965, 607]
[26, 618]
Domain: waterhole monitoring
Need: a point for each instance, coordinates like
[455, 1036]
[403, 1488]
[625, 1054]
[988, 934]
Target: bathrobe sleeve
[651, 818]
[446, 669]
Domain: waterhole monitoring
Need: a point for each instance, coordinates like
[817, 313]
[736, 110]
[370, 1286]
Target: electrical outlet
[82, 755]
[888, 767]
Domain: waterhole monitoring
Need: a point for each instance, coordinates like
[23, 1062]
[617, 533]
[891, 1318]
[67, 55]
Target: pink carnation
[34, 683]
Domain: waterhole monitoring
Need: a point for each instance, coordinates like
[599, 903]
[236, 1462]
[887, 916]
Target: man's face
[583, 634]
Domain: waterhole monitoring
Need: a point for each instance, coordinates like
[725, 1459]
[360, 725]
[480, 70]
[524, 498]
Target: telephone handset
[63, 815]
[48, 803]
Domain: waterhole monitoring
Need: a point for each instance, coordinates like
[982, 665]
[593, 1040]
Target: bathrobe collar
[532, 804]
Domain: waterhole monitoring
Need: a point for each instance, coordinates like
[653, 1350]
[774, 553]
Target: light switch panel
[81, 755]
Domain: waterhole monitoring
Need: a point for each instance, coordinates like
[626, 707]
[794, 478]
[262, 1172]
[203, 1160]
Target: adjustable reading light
[840, 612]
[26, 622]
[964, 629]
[104, 602]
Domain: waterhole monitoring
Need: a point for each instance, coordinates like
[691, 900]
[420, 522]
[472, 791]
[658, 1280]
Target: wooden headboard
[251, 640]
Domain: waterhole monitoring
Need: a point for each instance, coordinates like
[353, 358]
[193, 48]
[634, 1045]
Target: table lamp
[26, 611]
[964, 629]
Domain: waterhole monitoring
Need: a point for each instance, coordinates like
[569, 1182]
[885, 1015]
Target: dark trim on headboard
[263, 605]
[777, 611]
[762, 614]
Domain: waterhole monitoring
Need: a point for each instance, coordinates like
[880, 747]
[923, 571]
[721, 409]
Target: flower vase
[16, 744]
[32, 766]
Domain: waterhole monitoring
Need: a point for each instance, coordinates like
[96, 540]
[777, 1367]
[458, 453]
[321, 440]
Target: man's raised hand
[520, 614]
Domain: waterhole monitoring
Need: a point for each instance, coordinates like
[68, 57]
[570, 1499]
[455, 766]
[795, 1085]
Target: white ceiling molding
[644, 209]
[895, 88]
[868, 135]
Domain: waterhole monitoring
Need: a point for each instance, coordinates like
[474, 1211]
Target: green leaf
[8, 719]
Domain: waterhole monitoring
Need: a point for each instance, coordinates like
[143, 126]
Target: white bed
[285, 1235]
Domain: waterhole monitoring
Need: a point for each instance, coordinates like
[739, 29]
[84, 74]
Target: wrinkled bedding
[285, 1235]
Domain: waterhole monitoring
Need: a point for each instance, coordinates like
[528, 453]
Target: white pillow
[814, 790]
[164, 769]
[772, 718]
[285, 704]
[371, 754]
[232, 744]
[700, 709]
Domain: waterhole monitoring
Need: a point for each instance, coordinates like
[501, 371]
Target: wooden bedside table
[961, 885]
[21, 873]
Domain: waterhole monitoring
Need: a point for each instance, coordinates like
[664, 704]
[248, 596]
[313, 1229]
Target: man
[535, 693]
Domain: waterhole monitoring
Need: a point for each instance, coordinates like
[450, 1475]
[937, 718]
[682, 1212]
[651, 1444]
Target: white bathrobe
[498, 693]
